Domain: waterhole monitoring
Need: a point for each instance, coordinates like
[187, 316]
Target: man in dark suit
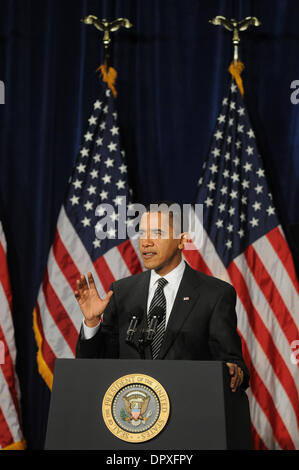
[196, 312]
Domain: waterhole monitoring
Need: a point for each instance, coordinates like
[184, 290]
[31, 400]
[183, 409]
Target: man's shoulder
[211, 282]
[197, 277]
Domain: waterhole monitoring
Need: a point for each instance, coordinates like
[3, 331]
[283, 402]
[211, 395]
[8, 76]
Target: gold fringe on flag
[236, 68]
[108, 77]
[21, 445]
[43, 367]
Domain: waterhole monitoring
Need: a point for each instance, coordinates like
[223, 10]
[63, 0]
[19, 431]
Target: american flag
[11, 436]
[244, 244]
[99, 177]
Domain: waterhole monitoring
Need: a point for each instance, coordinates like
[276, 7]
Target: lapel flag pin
[186, 298]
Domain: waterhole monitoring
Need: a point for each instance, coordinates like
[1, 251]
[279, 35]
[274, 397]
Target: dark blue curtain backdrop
[172, 73]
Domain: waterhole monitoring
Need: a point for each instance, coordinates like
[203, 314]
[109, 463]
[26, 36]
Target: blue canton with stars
[99, 178]
[238, 206]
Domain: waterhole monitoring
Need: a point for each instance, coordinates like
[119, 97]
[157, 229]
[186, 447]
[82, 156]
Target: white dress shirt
[174, 278]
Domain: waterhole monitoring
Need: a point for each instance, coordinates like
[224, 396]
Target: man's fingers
[237, 379]
[234, 380]
[231, 368]
[108, 297]
[77, 295]
[237, 383]
[79, 284]
[240, 377]
[82, 284]
[91, 282]
[236, 375]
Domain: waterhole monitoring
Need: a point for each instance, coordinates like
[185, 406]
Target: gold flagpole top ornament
[236, 67]
[235, 26]
[107, 27]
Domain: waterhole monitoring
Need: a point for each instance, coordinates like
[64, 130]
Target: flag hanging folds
[11, 437]
[99, 178]
[243, 243]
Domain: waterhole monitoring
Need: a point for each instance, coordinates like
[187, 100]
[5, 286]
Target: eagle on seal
[136, 404]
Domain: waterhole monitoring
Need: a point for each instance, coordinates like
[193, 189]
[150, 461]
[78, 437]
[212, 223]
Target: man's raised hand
[91, 304]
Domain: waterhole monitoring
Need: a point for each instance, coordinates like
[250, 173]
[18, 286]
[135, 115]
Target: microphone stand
[132, 329]
[147, 334]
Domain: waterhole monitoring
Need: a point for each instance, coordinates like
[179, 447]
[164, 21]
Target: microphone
[154, 320]
[132, 328]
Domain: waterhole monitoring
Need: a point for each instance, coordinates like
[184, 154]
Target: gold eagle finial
[107, 26]
[235, 26]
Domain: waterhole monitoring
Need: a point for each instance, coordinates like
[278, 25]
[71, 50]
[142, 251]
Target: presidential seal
[135, 408]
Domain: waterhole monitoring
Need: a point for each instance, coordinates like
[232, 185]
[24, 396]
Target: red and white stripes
[57, 317]
[267, 309]
[11, 436]
[268, 322]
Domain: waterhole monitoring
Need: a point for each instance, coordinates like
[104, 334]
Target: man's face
[158, 247]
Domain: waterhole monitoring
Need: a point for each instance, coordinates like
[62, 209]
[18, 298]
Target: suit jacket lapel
[181, 308]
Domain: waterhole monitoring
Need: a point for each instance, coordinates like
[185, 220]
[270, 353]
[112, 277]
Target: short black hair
[173, 208]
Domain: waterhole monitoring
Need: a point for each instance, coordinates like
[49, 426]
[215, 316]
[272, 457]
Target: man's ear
[184, 239]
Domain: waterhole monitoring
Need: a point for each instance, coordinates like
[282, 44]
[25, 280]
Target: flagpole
[235, 27]
[107, 27]
[99, 179]
[236, 67]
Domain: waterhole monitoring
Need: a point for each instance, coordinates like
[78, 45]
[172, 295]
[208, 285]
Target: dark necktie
[158, 300]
